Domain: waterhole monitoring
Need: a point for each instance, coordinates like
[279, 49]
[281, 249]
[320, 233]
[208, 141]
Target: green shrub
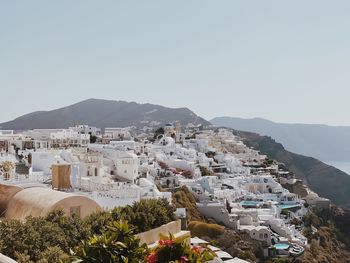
[29, 239]
[146, 214]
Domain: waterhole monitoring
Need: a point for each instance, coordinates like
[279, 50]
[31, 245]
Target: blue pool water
[288, 206]
[249, 203]
[281, 246]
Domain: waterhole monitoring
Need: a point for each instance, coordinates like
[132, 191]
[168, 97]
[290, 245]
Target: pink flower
[183, 259]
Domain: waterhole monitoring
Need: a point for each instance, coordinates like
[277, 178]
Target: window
[75, 210]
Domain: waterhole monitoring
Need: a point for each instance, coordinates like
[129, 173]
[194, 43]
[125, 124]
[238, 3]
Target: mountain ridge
[103, 113]
[284, 123]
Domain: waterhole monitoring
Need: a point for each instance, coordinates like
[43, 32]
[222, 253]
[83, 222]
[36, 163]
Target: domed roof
[4, 259]
[40, 201]
[6, 193]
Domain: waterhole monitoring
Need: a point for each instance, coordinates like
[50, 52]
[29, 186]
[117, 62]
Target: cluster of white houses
[94, 169]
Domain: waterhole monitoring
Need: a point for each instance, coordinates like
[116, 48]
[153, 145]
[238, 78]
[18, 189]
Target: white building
[6, 132]
[127, 166]
[41, 134]
[43, 160]
[124, 145]
[57, 137]
[122, 164]
[117, 134]
[86, 129]
[69, 137]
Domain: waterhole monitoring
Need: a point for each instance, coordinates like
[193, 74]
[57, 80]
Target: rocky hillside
[325, 180]
[103, 113]
[326, 143]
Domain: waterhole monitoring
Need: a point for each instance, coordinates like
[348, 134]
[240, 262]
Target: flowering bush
[178, 251]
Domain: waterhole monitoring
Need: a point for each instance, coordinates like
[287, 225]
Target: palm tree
[117, 244]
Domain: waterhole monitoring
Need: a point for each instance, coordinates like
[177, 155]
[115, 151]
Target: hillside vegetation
[183, 198]
[55, 235]
[200, 229]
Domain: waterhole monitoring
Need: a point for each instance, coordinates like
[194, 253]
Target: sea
[344, 166]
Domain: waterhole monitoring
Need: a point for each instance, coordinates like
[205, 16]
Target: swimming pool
[249, 203]
[282, 246]
[288, 206]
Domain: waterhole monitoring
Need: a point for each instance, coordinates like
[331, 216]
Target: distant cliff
[103, 113]
[326, 143]
[325, 180]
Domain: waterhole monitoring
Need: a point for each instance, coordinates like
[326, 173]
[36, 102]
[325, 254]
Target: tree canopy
[51, 238]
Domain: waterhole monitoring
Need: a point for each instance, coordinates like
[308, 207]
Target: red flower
[152, 258]
[167, 243]
[196, 250]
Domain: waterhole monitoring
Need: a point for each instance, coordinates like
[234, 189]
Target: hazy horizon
[282, 61]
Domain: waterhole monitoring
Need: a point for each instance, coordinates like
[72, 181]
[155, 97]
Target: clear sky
[288, 61]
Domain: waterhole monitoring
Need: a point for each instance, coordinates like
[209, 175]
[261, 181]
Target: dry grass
[201, 229]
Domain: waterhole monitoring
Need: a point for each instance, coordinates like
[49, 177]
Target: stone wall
[153, 236]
